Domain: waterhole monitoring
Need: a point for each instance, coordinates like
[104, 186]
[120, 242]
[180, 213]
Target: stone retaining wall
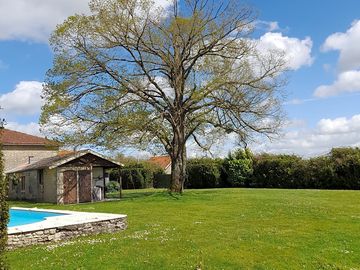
[44, 236]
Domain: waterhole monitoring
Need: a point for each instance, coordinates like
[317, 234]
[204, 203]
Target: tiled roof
[162, 161]
[11, 137]
[62, 153]
[55, 161]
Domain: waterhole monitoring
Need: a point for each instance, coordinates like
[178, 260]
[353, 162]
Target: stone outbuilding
[73, 177]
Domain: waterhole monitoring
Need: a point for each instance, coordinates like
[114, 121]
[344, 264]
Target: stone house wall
[17, 155]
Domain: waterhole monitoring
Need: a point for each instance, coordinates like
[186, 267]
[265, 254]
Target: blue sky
[319, 38]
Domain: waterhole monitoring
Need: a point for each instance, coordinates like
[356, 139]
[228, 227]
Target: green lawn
[214, 229]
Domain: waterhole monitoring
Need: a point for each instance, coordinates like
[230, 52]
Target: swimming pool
[30, 226]
[24, 217]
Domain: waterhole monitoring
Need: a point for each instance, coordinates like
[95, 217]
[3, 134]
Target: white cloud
[347, 81]
[29, 128]
[348, 45]
[297, 139]
[34, 20]
[298, 101]
[297, 52]
[25, 99]
[328, 133]
[268, 26]
[339, 125]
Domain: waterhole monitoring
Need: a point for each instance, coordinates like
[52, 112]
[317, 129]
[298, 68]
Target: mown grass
[213, 229]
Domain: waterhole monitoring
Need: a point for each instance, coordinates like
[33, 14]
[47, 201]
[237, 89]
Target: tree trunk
[178, 171]
[178, 163]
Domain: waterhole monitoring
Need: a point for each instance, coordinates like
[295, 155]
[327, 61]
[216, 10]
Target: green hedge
[204, 173]
[4, 213]
[136, 175]
[340, 169]
[279, 171]
[112, 186]
[162, 180]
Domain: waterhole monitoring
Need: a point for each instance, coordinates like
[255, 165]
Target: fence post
[120, 183]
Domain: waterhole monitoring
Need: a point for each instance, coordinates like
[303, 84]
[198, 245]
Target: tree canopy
[134, 74]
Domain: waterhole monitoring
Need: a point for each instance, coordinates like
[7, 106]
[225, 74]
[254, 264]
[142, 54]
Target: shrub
[112, 186]
[346, 164]
[279, 171]
[4, 213]
[136, 175]
[162, 180]
[338, 170]
[321, 173]
[239, 168]
[203, 173]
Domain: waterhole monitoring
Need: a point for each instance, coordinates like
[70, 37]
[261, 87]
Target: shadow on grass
[127, 195]
[141, 194]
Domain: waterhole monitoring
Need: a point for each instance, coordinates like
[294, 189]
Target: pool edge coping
[72, 219]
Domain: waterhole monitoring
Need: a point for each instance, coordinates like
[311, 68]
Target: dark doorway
[84, 186]
[70, 187]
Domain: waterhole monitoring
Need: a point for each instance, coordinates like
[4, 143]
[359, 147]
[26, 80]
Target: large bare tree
[133, 74]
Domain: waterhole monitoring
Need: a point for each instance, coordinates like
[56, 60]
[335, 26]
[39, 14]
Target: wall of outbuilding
[50, 185]
[31, 191]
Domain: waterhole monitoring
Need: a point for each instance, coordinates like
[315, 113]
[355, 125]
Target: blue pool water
[23, 217]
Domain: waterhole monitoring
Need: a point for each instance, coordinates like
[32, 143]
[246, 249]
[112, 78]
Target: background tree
[131, 74]
[4, 213]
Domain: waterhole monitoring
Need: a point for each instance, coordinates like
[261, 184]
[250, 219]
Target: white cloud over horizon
[31, 128]
[298, 139]
[307, 142]
[297, 52]
[25, 99]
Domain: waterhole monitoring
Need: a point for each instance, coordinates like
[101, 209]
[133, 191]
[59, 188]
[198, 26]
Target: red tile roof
[11, 137]
[162, 161]
[65, 152]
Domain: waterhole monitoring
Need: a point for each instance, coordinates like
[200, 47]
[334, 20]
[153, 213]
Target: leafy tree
[131, 74]
[239, 167]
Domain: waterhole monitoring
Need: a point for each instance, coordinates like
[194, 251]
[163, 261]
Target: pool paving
[63, 225]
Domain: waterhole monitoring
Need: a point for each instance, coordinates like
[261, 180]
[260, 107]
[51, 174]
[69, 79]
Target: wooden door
[85, 186]
[70, 187]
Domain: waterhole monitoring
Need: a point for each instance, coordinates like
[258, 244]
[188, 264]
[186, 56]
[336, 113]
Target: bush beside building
[4, 213]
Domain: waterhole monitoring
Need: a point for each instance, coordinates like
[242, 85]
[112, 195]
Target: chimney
[2, 123]
[29, 159]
